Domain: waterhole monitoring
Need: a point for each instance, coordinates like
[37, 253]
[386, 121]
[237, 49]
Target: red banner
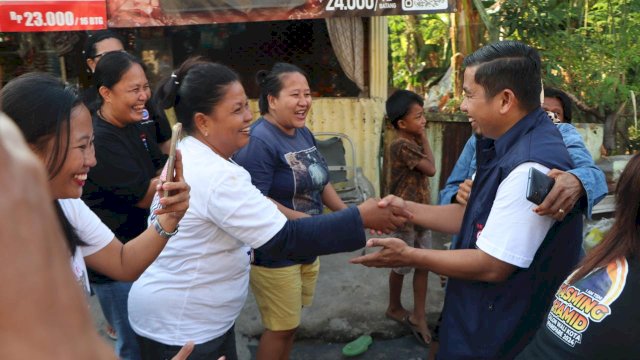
[52, 15]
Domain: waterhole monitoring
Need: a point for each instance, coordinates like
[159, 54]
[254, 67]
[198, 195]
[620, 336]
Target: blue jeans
[113, 300]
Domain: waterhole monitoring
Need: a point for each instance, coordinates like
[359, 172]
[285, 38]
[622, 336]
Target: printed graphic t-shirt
[289, 170]
[595, 318]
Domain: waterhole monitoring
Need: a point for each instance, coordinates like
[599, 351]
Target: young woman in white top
[58, 128]
[197, 287]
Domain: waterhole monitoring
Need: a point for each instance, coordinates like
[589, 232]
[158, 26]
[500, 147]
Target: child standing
[411, 164]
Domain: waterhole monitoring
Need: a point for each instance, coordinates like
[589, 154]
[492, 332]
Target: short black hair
[95, 37]
[398, 105]
[508, 65]
[112, 68]
[564, 100]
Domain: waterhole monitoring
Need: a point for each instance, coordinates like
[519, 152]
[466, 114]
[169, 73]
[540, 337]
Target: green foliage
[634, 138]
[419, 47]
[589, 48]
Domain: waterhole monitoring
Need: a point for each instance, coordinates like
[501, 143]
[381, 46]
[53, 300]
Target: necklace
[114, 123]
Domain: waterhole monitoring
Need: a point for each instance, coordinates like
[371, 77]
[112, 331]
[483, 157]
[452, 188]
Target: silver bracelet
[161, 231]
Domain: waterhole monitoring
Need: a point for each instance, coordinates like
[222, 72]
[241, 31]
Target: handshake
[385, 216]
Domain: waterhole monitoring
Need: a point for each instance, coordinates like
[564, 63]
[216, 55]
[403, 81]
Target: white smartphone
[171, 162]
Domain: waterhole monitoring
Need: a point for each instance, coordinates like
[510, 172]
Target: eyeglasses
[105, 53]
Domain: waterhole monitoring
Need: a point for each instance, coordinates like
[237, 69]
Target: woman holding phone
[64, 143]
[121, 186]
[197, 287]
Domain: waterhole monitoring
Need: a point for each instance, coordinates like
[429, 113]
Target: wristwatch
[161, 231]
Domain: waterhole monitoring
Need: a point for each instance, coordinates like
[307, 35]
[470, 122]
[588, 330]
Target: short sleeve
[239, 208]
[407, 153]
[95, 234]
[260, 161]
[513, 232]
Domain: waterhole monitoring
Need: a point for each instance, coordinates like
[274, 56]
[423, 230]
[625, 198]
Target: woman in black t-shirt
[97, 45]
[121, 186]
[595, 313]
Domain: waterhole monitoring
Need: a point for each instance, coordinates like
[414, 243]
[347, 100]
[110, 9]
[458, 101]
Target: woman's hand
[174, 206]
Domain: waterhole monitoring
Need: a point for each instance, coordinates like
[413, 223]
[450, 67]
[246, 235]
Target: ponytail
[196, 86]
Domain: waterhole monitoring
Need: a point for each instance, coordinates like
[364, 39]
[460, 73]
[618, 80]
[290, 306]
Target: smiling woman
[205, 269]
[58, 128]
[286, 166]
[120, 188]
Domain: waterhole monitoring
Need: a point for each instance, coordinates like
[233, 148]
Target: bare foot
[420, 329]
[397, 314]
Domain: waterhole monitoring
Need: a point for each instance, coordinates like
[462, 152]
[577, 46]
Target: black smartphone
[538, 186]
[175, 135]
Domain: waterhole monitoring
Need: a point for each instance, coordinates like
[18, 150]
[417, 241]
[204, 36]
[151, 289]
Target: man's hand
[566, 191]
[394, 253]
[399, 206]
[464, 191]
[382, 218]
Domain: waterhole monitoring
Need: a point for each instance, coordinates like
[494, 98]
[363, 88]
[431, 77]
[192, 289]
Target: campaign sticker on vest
[588, 300]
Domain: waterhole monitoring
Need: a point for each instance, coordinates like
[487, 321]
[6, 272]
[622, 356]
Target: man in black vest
[509, 261]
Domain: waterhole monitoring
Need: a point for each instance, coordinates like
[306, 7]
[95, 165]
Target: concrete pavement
[350, 301]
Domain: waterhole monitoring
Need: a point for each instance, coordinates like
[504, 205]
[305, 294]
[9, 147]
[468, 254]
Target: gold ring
[561, 211]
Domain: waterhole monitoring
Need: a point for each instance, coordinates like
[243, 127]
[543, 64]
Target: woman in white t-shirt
[58, 128]
[196, 288]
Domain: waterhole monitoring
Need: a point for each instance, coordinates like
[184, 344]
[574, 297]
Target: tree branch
[491, 28]
[584, 107]
[621, 108]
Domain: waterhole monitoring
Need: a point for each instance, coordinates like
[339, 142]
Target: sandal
[357, 346]
[417, 333]
[399, 320]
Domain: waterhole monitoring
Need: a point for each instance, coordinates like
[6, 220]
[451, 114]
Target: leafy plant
[419, 49]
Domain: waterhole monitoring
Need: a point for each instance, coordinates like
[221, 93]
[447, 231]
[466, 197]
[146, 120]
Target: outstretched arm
[442, 218]
[471, 264]
[509, 239]
[125, 262]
